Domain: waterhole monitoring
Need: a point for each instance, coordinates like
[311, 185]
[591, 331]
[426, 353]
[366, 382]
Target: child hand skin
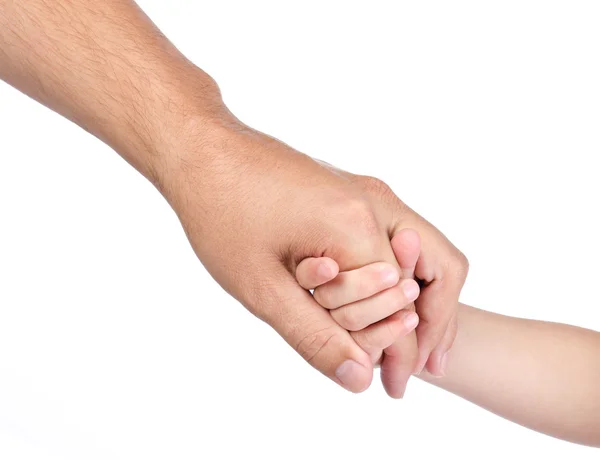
[372, 303]
[542, 375]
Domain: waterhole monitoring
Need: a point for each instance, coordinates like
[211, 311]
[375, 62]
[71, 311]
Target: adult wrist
[162, 124]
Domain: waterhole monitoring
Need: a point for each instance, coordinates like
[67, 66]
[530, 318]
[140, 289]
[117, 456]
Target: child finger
[316, 271]
[355, 285]
[361, 314]
[375, 338]
[398, 363]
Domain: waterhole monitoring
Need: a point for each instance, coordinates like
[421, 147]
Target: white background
[115, 343]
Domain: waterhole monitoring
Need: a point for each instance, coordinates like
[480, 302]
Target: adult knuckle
[461, 266]
[375, 185]
[456, 269]
[357, 207]
[360, 216]
[383, 193]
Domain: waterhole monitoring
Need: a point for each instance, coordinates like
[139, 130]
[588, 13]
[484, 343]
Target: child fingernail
[389, 277]
[411, 320]
[324, 271]
[410, 289]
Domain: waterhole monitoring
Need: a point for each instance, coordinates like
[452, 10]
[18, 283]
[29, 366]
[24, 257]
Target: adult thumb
[313, 333]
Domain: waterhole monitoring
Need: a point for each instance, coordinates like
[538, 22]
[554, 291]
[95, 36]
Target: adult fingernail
[350, 374]
[411, 320]
[410, 289]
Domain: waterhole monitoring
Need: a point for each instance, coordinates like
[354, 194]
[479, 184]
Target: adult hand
[253, 208]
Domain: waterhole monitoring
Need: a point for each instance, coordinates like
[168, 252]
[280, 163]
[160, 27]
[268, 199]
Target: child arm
[542, 375]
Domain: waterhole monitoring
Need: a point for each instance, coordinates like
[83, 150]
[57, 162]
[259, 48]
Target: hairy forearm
[545, 376]
[105, 66]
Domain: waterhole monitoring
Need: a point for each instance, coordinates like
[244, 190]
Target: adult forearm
[545, 376]
[105, 66]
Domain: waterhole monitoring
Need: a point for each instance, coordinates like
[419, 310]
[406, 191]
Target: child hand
[371, 302]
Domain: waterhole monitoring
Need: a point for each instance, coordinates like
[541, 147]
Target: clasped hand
[257, 212]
